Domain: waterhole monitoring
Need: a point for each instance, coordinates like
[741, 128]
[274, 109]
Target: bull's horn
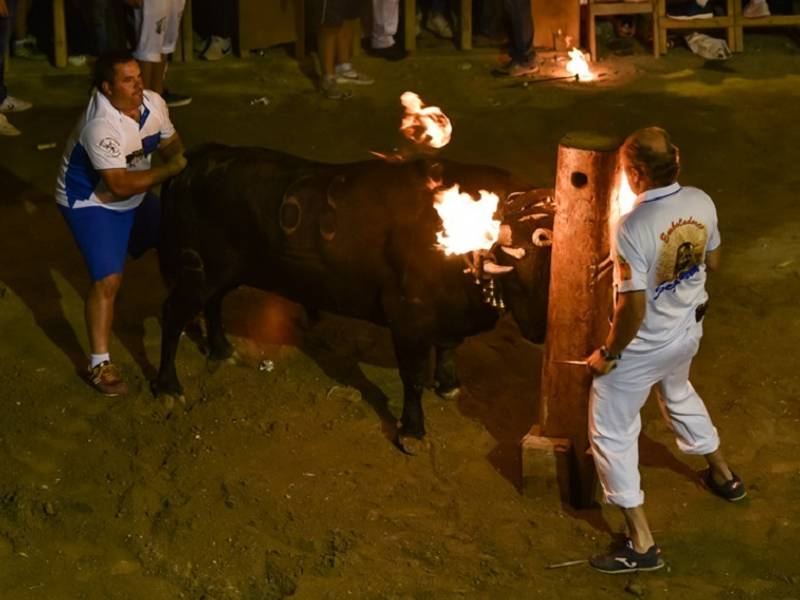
[504, 238]
[542, 237]
[517, 253]
[495, 269]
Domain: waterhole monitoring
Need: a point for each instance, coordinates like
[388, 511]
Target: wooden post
[300, 29]
[59, 34]
[410, 27]
[580, 304]
[186, 44]
[465, 25]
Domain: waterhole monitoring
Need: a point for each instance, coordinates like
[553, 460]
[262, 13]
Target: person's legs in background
[8, 103]
[221, 22]
[385, 20]
[171, 32]
[523, 59]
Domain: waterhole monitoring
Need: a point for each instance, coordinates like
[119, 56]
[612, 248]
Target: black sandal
[732, 490]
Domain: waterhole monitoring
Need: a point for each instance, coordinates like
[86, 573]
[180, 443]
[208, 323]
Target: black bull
[356, 239]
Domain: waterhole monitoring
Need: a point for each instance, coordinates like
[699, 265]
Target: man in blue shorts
[103, 192]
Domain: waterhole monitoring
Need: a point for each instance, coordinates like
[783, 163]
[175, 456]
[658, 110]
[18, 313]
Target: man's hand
[598, 364]
[3, 9]
[176, 164]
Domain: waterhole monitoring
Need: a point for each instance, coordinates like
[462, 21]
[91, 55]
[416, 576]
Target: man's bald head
[650, 154]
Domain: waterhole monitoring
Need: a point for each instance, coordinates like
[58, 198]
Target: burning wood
[424, 125]
[578, 66]
[468, 224]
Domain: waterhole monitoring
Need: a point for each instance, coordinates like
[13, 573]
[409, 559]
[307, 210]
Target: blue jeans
[6, 24]
[521, 39]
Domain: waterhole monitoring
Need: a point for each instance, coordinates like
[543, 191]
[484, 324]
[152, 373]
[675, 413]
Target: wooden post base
[547, 467]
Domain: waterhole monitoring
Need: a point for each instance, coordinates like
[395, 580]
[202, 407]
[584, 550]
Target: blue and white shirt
[107, 139]
[660, 247]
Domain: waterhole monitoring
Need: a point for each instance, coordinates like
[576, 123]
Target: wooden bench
[598, 8]
[740, 22]
[666, 23]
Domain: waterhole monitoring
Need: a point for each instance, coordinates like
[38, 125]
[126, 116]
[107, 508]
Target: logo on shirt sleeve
[624, 272]
[111, 147]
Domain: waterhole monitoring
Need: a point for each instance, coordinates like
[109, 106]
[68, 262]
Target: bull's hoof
[232, 360]
[169, 400]
[412, 445]
[448, 394]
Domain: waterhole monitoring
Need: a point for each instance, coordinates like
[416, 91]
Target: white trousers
[617, 398]
[157, 25]
[385, 20]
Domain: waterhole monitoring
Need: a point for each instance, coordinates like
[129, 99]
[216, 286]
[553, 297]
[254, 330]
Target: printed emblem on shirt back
[681, 254]
[110, 146]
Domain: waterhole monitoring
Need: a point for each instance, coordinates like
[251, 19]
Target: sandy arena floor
[277, 483]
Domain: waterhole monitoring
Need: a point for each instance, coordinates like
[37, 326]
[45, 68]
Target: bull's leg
[178, 310]
[412, 359]
[445, 377]
[219, 348]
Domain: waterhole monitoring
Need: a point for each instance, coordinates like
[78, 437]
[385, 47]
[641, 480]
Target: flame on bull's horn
[578, 66]
[468, 224]
[425, 125]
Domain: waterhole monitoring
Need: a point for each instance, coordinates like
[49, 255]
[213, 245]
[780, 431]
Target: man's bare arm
[170, 147]
[123, 183]
[628, 316]
[712, 259]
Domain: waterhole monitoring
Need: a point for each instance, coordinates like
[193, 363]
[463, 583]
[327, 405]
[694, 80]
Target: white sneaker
[439, 26]
[218, 48]
[7, 128]
[350, 75]
[755, 9]
[77, 60]
[11, 104]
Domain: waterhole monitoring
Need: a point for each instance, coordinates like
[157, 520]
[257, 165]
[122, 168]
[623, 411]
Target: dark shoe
[106, 379]
[523, 70]
[692, 10]
[331, 90]
[627, 560]
[174, 100]
[732, 490]
[393, 53]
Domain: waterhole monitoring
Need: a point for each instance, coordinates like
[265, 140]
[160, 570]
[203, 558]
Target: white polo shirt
[660, 247]
[107, 139]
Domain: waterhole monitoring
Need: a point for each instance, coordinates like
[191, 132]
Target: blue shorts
[105, 236]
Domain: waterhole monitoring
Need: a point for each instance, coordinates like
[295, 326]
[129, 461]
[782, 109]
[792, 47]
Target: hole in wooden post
[579, 179]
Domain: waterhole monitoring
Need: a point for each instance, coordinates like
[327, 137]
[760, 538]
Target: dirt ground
[283, 482]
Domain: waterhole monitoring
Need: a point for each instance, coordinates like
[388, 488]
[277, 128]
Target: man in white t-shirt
[103, 192]
[662, 251]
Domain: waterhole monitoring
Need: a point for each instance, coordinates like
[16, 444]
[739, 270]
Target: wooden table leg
[465, 25]
[59, 33]
[299, 29]
[187, 34]
[410, 35]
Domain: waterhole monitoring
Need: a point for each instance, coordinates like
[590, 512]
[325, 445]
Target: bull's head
[522, 258]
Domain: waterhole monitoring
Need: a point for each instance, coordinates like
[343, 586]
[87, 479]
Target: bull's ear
[517, 253]
[495, 269]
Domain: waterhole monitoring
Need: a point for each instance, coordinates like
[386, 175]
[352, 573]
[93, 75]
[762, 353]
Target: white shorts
[617, 398]
[157, 25]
